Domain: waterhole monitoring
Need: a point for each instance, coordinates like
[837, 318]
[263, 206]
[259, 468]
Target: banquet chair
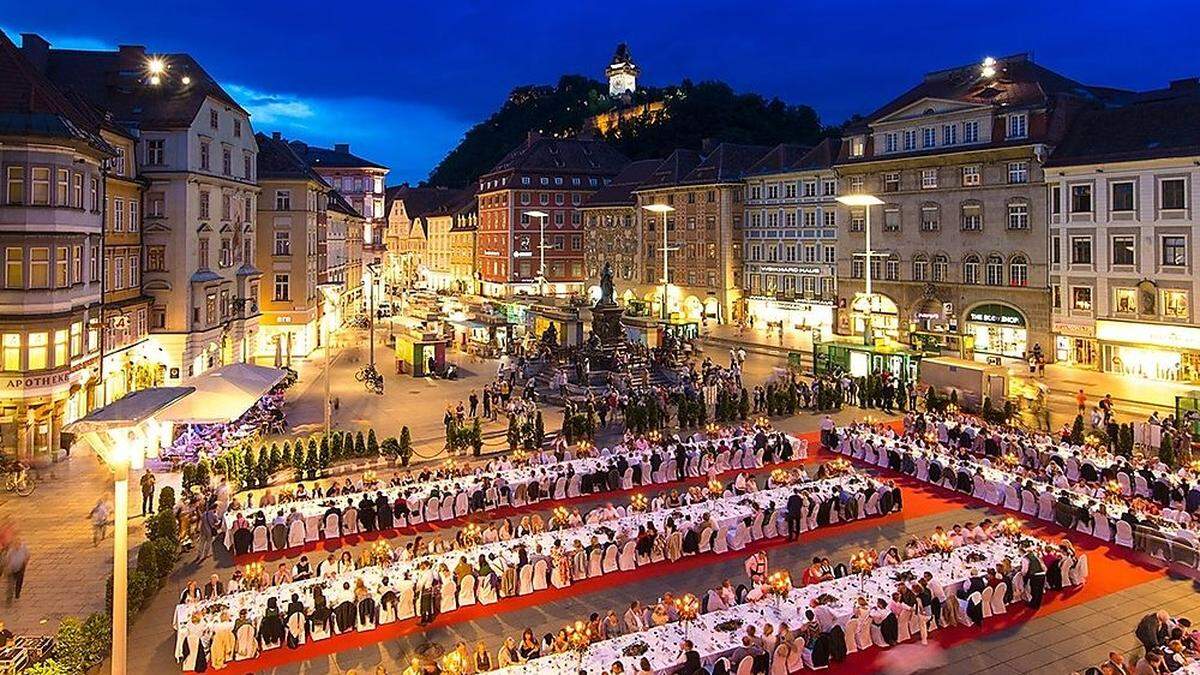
[984, 490]
[1012, 498]
[1101, 528]
[771, 525]
[560, 488]
[720, 541]
[491, 497]
[1084, 527]
[628, 558]
[540, 575]
[1046, 506]
[1123, 481]
[486, 593]
[1072, 469]
[279, 536]
[416, 511]
[318, 625]
[345, 617]
[406, 606]
[312, 527]
[450, 596]
[779, 664]
[918, 624]
[462, 504]
[877, 638]
[296, 534]
[738, 536]
[871, 508]
[446, 508]
[922, 469]
[758, 459]
[525, 580]
[852, 635]
[904, 625]
[388, 609]
[675, 546]
[864, 633]
[1141, 486]
[247, 642]
[1018, 587]
[595, 565]
[706, 539]
[986, 601]
[972, 608]
[627, 479]
[746, 667]
[721, 665]
[721, 465]
[610, 563]
[756, 526]
[737, 458]
[368, 614]
[998, 606]
[432, 510]
[466, 591]
[261, 541]
[1029, 503]
[1124, 535]
[870, 456]
[350, 520]
[520, 495]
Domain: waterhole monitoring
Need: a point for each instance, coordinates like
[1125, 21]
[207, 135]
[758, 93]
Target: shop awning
[223, 395]
[129, 410]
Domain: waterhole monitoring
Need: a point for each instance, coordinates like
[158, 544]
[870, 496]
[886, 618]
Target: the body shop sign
[1002, 315]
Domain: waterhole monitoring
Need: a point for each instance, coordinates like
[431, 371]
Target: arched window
[1018, 271]
[971, 269]
[891, 269]
[941, 267]
[920, 267]
[995, 270]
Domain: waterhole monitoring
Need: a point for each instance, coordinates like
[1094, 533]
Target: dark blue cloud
[402, 81]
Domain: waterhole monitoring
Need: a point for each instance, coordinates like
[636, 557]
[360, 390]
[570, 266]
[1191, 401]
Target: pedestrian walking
[18, 560]
[208, 529]
[147, 483]
[1081, 401]
[474, 401]
[99, 516]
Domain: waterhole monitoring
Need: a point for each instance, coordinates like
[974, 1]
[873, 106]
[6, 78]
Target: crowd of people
[1169, 644]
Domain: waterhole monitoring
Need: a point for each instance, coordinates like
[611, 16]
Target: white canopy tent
[221, 396]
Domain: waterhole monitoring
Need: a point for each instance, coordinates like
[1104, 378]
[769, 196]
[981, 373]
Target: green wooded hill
[693, 112]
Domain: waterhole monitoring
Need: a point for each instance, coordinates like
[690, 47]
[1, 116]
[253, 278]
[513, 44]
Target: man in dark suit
[795, 511]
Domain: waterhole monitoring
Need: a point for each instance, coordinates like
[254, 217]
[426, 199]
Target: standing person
[756, 567]
[18, 559]
[487, 403]
[1035, 576]
[99, 516]
[208, 528]
[795, 516]
[474, 401]
[147, 483]
[1081, 401]
[426, 587]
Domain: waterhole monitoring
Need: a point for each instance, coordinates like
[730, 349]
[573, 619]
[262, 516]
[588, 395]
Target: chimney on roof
[36, 50]
[276, 135]
[131, 53]
[1185, 84]
[341, 147]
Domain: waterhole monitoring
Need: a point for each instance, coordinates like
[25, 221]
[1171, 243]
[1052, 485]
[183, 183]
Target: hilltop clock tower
[622, 72]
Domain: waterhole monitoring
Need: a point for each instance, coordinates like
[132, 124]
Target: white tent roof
[130, 410]
[222, 395]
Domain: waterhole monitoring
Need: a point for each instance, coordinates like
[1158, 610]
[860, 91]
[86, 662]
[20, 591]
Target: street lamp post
[542, 217]
[330, 291]
[866, 201]
[373, 269]
[663, 210]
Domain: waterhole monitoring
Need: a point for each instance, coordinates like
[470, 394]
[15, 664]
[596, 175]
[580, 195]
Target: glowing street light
[662, 210]
[988, 68]
[866, 202]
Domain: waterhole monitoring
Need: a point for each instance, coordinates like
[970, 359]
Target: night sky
[402, 82]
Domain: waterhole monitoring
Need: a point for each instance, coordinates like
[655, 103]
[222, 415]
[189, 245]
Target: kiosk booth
[859, 360]
[415, 350]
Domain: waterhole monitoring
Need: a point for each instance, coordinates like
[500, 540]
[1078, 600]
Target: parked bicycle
[371, 378]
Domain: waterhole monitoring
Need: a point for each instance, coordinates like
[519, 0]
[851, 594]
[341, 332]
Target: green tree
[1077, 431]
[372, 444]
[406, 448]
[476, 438]
[360, 444]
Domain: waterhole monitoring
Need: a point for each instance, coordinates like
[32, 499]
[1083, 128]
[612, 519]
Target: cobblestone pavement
[66, 573]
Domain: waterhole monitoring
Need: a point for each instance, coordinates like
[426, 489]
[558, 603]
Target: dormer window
[910, 139]
[1018, 125]
[857, 146]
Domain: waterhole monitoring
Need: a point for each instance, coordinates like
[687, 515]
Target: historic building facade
[547, 175]
[291, 213]
[1123, 233]
[791, 234]
[53, 159]
[959, 247]
[344, 260]
[196, 153]
[612, 234]
[704, 198]
[462, 246]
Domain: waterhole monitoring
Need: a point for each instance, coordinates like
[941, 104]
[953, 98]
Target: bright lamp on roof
[988, 68]
[156, 66]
